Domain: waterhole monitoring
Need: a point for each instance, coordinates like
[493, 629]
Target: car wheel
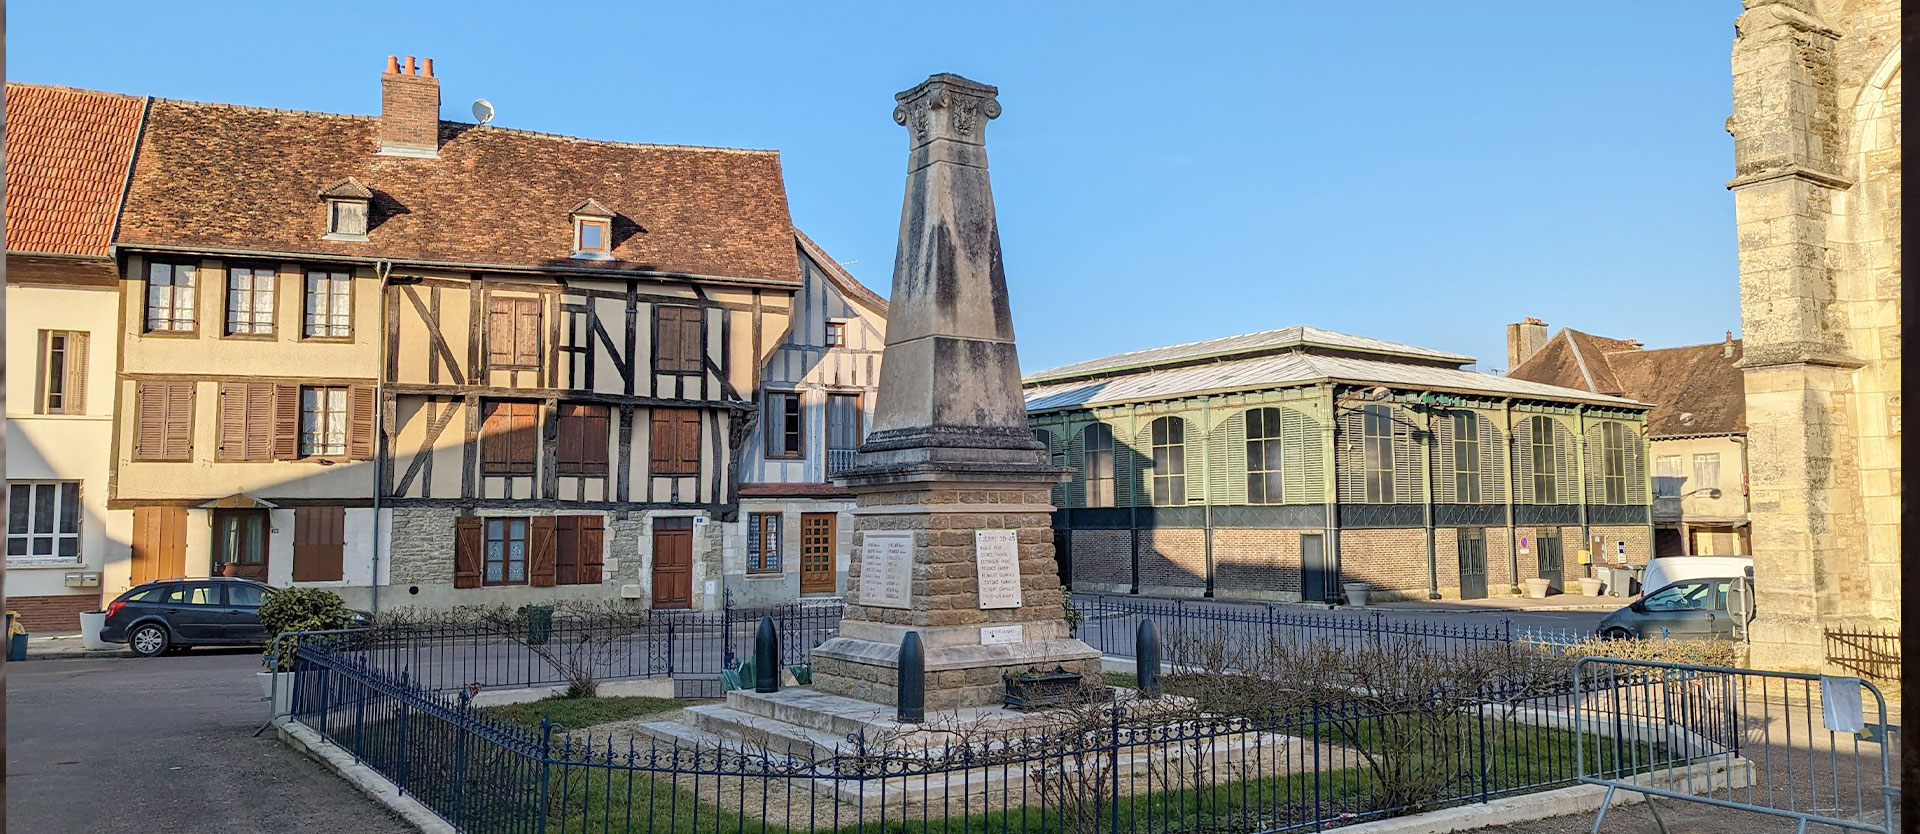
[1617, 633]
[149, 640]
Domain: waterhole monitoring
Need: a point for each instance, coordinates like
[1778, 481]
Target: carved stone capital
[946, 106]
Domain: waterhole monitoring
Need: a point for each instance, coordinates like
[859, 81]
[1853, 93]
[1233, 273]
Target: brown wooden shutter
[74, 400]
[688, 454]
[540, 551]
[149, 420]
[261, 399]
[231, 442]
[591, 544]
[179, 421]
[500, 332]
[360, 410]
[566, 550]
[319, 543]
[494, 423]
[469, 543]
[582, 444]
[692, 352]
[660, 440]
[526, 332]
[525, 437]
[286, 422]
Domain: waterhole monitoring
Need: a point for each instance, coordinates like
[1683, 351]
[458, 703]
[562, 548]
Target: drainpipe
[382, 269]
[1133, 490]
[1206, 483]
[1426, 481]
[1513, 533]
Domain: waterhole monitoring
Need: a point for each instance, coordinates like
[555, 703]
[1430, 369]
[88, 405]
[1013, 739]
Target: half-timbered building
[1282, 465]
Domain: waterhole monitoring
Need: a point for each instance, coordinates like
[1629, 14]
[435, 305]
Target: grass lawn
[575, 713]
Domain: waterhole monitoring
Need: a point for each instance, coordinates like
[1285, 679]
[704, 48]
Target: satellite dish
[482, 110]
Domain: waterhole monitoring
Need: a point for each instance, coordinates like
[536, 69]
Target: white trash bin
[90, 624]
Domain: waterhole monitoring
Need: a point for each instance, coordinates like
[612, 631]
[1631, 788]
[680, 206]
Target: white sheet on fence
[1840, 698]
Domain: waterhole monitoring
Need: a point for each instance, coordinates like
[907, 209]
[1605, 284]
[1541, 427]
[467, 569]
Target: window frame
[174, 305]
[335, 232]
[515, 361]
[506, 526]
[1379, 486]
[679, 417]
[254, 273]
[303, 448]
[797, 430]
[680, 362]
[306, 305]
[1162, 438]
[597, 460]
[1700, 475]
[763, 539]
[1613, 463]
[580, 224]
[1675, 476]
[508, 466]
[1273, 457]
[66, 378]
[1091, 450]
[1466, 457]
[1546, 485]
[836, 335]
[66, 494]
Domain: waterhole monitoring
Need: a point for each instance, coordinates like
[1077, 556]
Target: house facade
[68, 152]
[1697, 430]
[1281, 465]
[427, 363]
[795, 532]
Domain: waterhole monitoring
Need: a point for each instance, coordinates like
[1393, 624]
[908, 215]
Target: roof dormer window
[592, 231]
[347, 203]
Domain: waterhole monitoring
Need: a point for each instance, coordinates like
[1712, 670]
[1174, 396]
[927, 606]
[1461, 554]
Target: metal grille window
[786, 429]
[843, 431]
[1545, 488]
[1466, 457]
[1376, 433]
[170, 298]
[1169, 473]
[329, 305]
[506, 551]
[1667, 476]
[43, 522]
[1097, 449]
[1706, 471]
[1613, 462]
[763, 543]
[323, 422]
[1264, 456]
[249, 301]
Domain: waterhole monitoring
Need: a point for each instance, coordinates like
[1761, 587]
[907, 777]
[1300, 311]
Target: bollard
[912, 690]
[1146, 658]
[766, 657]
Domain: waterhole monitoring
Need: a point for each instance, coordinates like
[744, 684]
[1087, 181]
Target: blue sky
[1414, 171]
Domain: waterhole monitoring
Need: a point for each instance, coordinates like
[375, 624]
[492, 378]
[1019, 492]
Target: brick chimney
[409, 110]
[1524, 339]
[1726, 347]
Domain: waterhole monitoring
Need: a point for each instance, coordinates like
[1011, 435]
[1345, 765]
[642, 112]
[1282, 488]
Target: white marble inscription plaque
[996, 635]
[886, 570]
[996, 556]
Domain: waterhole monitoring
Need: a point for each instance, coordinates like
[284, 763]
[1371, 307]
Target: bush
[300, 609]
[1074, 617]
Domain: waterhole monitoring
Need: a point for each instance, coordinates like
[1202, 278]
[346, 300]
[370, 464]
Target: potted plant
[1590, 586]
[1356, 593]
[1537, 588]
[294, 610]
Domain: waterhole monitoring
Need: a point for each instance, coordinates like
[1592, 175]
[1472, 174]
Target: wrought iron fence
[1120, 765]
[1872, 654]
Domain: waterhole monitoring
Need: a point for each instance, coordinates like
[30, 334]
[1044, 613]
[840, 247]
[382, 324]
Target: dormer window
[347, 202]
[592, 231]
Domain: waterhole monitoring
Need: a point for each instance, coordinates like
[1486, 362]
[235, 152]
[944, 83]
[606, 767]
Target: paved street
[122, 744]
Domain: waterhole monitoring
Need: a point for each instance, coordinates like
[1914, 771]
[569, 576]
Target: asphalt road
[123, 744]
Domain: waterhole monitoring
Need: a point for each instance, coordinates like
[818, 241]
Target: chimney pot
[410, 68]
[409, 111]
[429, 68]
[393, 65]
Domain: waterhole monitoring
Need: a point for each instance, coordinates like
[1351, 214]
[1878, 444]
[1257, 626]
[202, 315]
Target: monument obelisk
[952, 535]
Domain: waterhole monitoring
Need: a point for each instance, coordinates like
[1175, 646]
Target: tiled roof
[1266, 341]
[349, 188]
[1292, 369]
[1695, 390]
[67, 157]
[224, 177]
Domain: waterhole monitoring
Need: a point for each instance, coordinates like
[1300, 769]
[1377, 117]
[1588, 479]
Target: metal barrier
[1776, 743]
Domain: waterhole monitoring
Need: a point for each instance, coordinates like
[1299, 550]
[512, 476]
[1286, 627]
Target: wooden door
[673, 563]
[240, 543]
[159, 543]
[818, 532]
[319, 543]
[1473, 563]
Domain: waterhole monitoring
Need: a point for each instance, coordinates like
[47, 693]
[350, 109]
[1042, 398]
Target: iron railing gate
[1736, 738]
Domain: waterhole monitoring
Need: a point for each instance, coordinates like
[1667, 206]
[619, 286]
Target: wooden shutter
[500, 332]
[526, 332]
[74, 400]
[688, 445]
[164, 418]
[319, 543]
[231, 442]
[591, 548]
[582, 445]
[469, 545]
[693, 351]
[666, 338]
[286, 422]
[566, 550]
[509, 438]
[540, 551]
[675, 441]
[360, 410]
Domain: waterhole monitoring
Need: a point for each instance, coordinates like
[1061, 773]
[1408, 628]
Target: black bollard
[1146, 658]
[912, 695]
[766, 657]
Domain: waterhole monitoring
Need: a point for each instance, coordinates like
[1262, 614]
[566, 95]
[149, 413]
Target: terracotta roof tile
[1695, 390]
[229, 177]
[349, 188]
[67, 156]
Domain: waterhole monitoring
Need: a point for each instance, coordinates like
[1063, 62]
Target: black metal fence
[1870, 654]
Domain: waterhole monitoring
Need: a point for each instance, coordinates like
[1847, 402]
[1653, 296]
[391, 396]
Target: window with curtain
[250, 301]
[763, 543]
[328, 311]
[506, 551]
[170, 297]
[323, 421]
[1706, 471]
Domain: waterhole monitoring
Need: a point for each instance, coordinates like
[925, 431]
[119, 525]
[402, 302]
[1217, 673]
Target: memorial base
[864, 663]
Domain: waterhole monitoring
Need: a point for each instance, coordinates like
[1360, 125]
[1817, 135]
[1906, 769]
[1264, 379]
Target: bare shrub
[582, 638]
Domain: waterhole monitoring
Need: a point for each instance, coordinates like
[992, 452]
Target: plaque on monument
[996, 556]
[886, 569]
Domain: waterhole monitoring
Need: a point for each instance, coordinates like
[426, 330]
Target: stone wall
[420, 571]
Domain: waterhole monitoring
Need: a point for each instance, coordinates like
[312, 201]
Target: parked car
[1662, 571]
[170, 615]
[1688, 609]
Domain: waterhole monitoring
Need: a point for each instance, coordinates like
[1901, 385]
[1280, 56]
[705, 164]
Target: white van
[1666, 570]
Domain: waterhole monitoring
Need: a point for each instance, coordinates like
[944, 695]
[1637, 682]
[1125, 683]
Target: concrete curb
[369, 781]
[1532, 807]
